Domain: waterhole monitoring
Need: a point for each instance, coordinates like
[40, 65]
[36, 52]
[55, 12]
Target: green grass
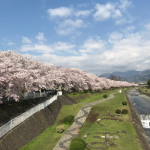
[143, 89]
[88, 92]
[49, 138]
[96, 97]
[126, 141]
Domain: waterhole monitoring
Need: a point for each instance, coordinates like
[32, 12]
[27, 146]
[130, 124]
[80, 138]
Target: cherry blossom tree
[19, 73]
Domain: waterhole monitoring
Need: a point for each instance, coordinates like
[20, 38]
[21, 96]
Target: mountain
[130, 76]
[125, 74]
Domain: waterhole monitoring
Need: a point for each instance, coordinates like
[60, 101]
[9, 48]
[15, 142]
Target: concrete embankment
[138, 125]
[35, 125]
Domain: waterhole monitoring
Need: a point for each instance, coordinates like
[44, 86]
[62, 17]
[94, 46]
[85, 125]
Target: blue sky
[94, 36]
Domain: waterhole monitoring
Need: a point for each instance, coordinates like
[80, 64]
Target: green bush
[68, 119]
[105, 96]
[124, 103]
[74, 93]
[124, 111]
[85, 92]
[76, 145]
[81, 92]
[79, 139]
[118, 111]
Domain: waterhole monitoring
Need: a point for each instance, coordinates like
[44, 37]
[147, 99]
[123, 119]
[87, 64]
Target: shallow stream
[142, 105]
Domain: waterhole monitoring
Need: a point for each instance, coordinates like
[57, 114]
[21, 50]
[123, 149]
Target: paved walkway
[73, 130]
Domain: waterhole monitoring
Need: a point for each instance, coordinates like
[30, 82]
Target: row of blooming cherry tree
[18, 72]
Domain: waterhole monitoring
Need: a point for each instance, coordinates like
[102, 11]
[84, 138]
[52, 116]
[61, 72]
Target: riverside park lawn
[145, 90]
[127, 141]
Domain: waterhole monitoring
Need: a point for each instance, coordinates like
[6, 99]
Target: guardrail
[19, 119]
[28, 96]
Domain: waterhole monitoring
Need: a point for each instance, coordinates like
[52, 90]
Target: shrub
[118, 111]
[79, 139]
[85, 92]
[60, 129]
[124, 111]
[81, 92]
[68, 119]
[76, 145]
[74, 93]
[124, 103]
[105, 96]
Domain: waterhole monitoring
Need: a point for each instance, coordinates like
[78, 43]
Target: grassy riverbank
[145, 90]
[126, 141]
[49, 138]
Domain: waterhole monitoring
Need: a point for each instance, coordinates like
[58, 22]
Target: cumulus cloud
[62, 46]
[26, 40]
[129, 52]
[69, 26]
[40, 37]
[90, 46]
[124, 20]
[106, 11]
[130, 28]
[148, 26]
[115, 37]
[37, 47]
[60, 12]
[83, 13]
[42, 48]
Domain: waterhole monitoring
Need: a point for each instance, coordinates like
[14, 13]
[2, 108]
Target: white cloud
[42, 48]
[68, 26]
[26, 40]
[121, 21]
[37, 47]
[60, 12]
[77, 24]
[83, 13]
[124, 4]
[106, 11]
[115, 37]
[90, 46]
[62, 46]
[40, 37]
[148, 26]
[10, 43]
[124, 20]
[130, 28]
[130, 52]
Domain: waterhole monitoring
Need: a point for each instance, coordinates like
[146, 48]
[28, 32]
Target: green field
[49, 138]
[145, 90]
[126, 141]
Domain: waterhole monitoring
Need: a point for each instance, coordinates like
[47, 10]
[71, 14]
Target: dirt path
[73, 130]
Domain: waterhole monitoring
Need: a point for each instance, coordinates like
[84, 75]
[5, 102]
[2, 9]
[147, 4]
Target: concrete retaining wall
[33, 126]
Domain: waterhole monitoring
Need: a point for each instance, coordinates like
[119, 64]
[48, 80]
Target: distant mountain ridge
[131, 75]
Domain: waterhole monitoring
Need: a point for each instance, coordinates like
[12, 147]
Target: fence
[29, 95]
[16, 121]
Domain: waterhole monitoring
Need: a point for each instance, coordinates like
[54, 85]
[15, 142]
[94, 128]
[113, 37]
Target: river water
[142, 105]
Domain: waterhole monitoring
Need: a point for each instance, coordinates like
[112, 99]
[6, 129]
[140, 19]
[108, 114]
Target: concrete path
[73, 130]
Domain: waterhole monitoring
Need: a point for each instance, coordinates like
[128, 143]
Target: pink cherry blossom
[18, 72]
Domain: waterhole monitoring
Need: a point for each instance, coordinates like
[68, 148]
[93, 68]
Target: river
[142, 105]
